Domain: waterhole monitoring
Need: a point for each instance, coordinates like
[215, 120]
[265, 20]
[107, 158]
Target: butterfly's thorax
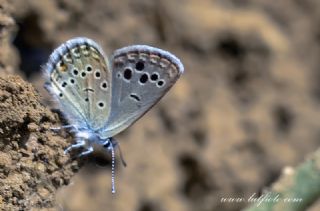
[90, 136]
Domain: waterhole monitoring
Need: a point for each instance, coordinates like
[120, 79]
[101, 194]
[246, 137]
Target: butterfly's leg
[63, 127]
[88, 151]
[79, 143]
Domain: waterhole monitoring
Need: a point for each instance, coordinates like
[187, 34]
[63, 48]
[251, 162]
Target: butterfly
[101, 98]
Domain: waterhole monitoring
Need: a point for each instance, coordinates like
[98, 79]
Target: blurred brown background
[247, 105]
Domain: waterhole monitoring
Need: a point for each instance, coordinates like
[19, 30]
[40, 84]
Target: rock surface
[32, 161]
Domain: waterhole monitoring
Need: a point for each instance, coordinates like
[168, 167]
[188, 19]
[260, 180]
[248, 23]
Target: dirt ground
[246, 106]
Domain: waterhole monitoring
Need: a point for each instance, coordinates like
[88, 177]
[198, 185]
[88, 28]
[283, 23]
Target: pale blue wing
[79, 77]
[141, 75]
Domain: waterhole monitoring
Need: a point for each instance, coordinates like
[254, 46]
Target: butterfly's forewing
[141, 75]
[80, 78]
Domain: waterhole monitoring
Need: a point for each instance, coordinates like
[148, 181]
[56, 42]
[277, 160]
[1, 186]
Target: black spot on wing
[88, 90]
[135, 97]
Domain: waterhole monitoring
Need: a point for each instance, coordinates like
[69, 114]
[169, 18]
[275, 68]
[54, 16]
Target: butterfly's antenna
[116, 144]
[113, 189]
[121, 157]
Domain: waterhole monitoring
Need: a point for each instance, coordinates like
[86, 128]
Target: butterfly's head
[109, 143]
[89, 135]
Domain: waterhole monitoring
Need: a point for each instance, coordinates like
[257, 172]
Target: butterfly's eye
[144, 78]
[108, 145]
[139, 65]
[127, 74]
